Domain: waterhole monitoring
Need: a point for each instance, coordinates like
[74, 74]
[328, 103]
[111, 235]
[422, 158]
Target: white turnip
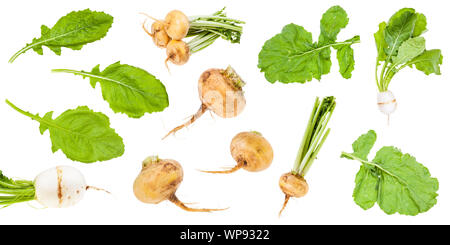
[58, 187]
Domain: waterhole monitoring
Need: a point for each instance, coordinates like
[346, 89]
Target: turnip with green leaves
[204, 30]
[400, 44]
[251, 151]
[57, 187]
[220, 90]
[158, 181]
[293, 184]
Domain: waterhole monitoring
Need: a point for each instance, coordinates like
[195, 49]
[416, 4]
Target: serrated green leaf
[71, 31]
[406, 186]
[333, 20]
[380, 42]
[399, 29]
[345, 58]
[396, 181]
[292, 56]
[81, 134]
[420, 26]
[409, 49]
[363, 145]
[366, 184]
[428, 62]
[127, 89]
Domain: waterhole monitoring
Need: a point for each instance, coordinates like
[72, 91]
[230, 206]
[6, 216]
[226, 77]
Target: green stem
[353, 157]
[34, 117]
[23, 50]
[327, 46]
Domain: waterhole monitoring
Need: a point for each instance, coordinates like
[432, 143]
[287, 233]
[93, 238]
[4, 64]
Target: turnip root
[292, 185]
[58, 187]
[386, 102]
[177, 52]
[158, 33]
[159, 180]
[177, 24]
[221, 92]
[251, 151]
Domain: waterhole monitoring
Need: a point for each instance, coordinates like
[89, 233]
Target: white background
[279, 111]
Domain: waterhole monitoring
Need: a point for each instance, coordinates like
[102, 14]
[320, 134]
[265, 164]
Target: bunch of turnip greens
[292, 56]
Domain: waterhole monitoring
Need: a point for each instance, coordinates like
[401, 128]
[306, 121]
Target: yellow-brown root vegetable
[158, 33]
[221, 92]
[251, 151]
[177, 24]
[159, 180]
[292, 185]
[177, 52]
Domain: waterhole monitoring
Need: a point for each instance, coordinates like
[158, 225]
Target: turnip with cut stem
[58, 187]
[221, 92]
[293, 184]
[158, 181]
[251, 151]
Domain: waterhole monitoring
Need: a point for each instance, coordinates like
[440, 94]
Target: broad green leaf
[127, 89]
[409, 49]
[366, 184]
[292, 56]
[396, 181]
[345, 57]
[71, 31]
[331, 24]
[406, 186]
[428, 62]
[380, 42]
[399, 29]
[363, 145]
[81, 134]
[420, 26]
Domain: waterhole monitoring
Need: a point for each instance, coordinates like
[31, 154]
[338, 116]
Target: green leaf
[331, 24]
[292, 56]
[409, 49]
[396, 181]
[365, 192]
[406, 186]
[127, 89]
[399, 29]
[71, 31]
[363, 145]
[345, 57]
[81, 134]
[428, 62]
[420, 26]
[380, 42]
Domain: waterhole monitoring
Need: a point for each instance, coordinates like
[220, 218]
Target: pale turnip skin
[252, 151]
[387, 103]
[177, 52]
[177, 24]
[221, 92]
[159, 35]
[158, 180]
[60, 187]
[292, 185]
